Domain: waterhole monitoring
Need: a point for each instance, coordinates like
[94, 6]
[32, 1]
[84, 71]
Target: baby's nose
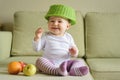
[55, 23]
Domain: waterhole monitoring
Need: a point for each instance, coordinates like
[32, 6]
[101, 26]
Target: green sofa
[96, 35]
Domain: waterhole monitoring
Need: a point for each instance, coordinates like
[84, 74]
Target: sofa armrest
[5, 44]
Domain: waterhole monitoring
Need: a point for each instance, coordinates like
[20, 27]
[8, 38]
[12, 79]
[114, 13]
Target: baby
[58, 45]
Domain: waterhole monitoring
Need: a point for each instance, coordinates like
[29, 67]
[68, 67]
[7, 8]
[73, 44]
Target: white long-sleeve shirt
[55, 48]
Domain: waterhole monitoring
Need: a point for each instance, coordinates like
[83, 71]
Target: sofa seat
[38, 76]
[105, 68]
[3, 76]
[103, 45]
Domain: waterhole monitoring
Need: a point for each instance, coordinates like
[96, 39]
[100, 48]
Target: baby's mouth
[55, 28]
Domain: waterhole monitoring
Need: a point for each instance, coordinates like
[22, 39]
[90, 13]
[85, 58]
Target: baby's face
[57, 25]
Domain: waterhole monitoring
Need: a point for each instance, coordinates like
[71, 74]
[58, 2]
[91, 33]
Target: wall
[8, 7]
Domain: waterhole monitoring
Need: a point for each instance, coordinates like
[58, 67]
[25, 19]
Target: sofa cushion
[5, 44]
[105, 68]
[102, 34]
[43, 77]
[27, 22]
[25, 25]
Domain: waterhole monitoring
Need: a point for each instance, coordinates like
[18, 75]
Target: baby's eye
[51, 21]
[60, 21]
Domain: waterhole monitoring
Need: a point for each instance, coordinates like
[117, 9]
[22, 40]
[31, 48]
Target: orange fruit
[14, 67]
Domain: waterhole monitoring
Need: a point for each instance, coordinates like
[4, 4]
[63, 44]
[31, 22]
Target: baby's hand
[73, 51]
[38, 34]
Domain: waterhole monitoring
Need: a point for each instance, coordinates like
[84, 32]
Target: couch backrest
[26, 22]
[102, 31]
[5, 44]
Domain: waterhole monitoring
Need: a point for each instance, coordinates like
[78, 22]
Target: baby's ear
[68, 26]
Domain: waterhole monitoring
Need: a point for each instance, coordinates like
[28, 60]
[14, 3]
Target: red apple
[23, 64]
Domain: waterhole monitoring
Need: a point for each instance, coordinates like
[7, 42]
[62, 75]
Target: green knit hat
[62, 11]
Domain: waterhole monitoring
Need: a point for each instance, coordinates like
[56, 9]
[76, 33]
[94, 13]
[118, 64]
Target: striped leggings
[45, 66]
[72, 67]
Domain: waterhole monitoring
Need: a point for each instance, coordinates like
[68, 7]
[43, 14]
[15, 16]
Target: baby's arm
[73, 51]
[38, 34]
[37, 42]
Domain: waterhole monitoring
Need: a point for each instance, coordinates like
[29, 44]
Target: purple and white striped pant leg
[46, 66]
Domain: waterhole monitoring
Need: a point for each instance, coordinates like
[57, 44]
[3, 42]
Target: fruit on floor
[23, 64]
[14, 67]
[29, 70]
